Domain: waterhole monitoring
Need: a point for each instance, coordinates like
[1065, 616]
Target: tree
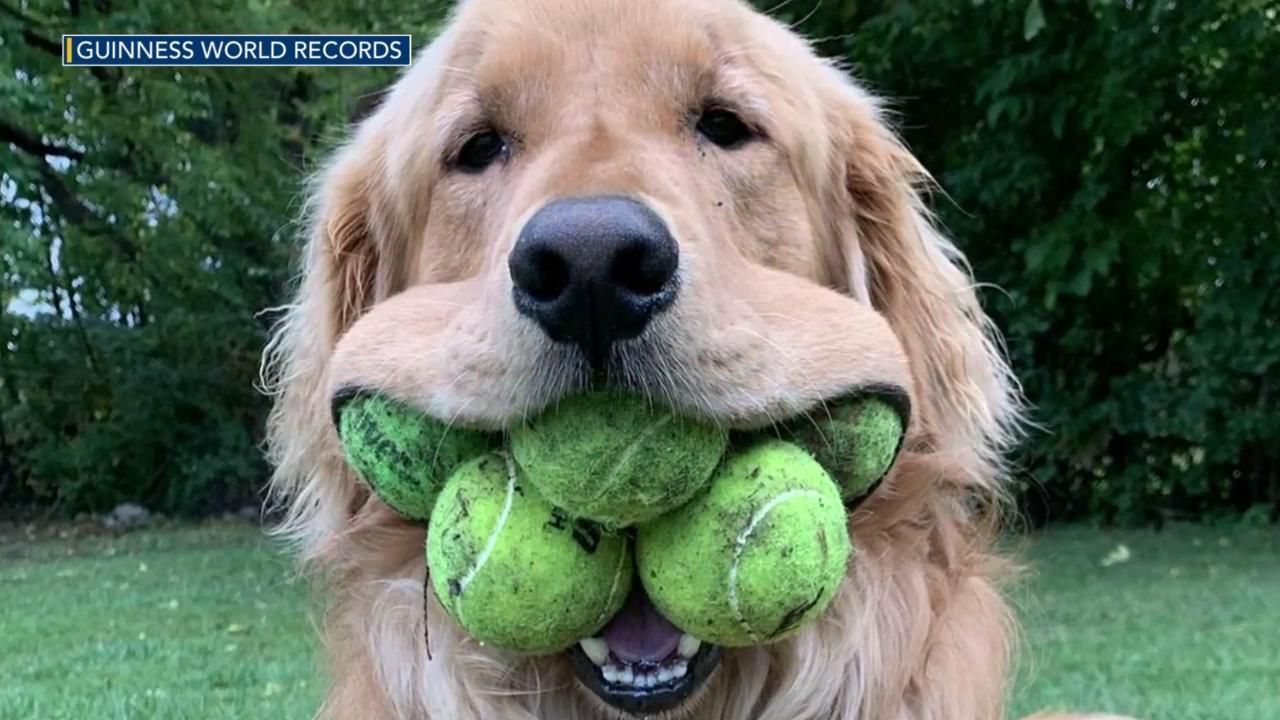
[1111, 168]
[145, 216]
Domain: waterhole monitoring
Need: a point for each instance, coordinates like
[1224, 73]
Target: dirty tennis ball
[856, 440]
[403, 454]
[514, 571]
[615, 458]
[756, 557]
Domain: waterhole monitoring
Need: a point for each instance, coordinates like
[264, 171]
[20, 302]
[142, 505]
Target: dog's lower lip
[642, 701]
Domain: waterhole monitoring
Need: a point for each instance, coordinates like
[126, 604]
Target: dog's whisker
[523, 692]
[448, 426]
[774, 10]
[816, 6]
[808, 386]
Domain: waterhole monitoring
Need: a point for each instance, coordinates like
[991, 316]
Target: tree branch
[17, 14]
[74, 210]
[52, 47]
[40, 42]
[33, 144]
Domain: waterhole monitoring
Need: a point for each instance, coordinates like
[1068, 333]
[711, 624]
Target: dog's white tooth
[689, 645]
[679, 669]
[610, 673]
[596, 649]
[665, 674]
[627, 677]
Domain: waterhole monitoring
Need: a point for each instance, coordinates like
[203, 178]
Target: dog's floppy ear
[895, 256]
[361, 209]
[341, 278]
[347, 244]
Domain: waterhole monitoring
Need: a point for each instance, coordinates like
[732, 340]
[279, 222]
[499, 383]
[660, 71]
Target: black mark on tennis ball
[558, 521]
[796, 614]
[455, 587]
[383, 445]
[587, 535]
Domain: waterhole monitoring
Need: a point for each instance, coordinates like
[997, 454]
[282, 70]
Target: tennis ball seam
[631, 449]
[492, 541]
[613, 589]
[740, 544]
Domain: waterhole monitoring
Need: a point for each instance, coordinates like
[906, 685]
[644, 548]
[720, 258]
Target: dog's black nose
[594, 270]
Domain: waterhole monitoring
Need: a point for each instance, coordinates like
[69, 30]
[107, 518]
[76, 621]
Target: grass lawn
[208, 622]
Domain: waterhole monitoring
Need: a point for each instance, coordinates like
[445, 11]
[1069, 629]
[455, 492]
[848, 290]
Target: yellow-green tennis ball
[516, 572]
[756, 557]
[856, 441]
[404, 455]
[616, 459]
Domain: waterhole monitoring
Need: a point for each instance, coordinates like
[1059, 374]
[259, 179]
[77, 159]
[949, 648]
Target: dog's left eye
[724, 128]
[481, 151]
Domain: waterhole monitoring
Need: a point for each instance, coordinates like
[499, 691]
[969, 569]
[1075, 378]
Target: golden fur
[810, 266]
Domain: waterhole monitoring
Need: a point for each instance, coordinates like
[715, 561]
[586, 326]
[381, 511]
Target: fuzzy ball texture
[615, 459]
[404, 455]
[516, 572]
[856, 441]
[757, 556]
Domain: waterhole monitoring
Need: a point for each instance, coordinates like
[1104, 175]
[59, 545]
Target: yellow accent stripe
[68, 51]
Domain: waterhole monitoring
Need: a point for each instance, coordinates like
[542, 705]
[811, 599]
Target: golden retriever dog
[678, 198]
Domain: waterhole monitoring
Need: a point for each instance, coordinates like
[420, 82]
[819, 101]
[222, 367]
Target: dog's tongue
[639, 633]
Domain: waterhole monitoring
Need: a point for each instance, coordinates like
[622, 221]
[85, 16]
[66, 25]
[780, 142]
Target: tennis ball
[856, 441]
[612, 458]
[404, 455]
[756, 557]
[516, 572]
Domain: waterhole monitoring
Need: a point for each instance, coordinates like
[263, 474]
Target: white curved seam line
[631, 449]
[497, 529]
[613, 589]
[739, 546]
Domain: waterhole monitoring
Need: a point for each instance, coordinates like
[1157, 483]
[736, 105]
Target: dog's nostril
[545, 276]
[642, 269]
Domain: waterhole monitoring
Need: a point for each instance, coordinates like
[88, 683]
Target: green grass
[208, 622]
[194, 622]
[1187, 629]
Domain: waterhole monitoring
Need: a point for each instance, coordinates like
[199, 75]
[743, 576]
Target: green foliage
[1110, 166]
[144, 220]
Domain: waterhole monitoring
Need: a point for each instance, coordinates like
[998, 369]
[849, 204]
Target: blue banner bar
[236, 50]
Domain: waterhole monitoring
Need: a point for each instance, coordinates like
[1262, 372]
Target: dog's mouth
[640, 663]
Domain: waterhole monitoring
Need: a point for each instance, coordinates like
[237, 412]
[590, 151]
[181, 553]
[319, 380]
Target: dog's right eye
[481, 151]
[724, 128]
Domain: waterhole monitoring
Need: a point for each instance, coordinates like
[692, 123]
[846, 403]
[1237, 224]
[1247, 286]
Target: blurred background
[1108, 166]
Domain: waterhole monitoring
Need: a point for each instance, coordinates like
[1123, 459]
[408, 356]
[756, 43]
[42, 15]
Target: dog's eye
[480, 151]
[724, 128]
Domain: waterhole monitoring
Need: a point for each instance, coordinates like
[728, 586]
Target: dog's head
[674, 197]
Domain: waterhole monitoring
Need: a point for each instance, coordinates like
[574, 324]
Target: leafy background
[1108, 166]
